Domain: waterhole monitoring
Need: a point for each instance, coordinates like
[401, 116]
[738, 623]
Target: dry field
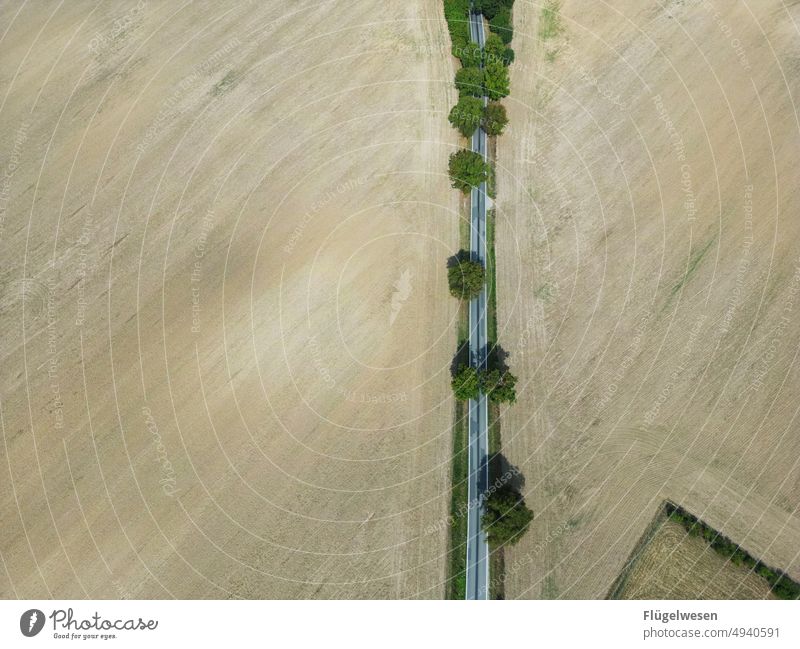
[226, 337]
[674, 565]
[649, 281]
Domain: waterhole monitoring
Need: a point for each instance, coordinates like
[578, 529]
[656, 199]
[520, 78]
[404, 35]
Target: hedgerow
[780, 583]
[467, 114]
[489, 8]
[501, 25]
[469, 81]
[483, 72]
[456, 13]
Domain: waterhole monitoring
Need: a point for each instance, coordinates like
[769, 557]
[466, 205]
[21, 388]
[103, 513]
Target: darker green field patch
[694, 262]
[550, 24]
[225, 84]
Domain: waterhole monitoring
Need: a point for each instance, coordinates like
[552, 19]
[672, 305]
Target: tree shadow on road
[496, 358]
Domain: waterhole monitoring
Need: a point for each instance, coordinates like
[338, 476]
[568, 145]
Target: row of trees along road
[484, 73]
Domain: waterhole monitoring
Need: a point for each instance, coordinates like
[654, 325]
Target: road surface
[477, 545]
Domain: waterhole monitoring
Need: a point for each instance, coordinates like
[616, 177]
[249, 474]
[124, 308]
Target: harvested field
[674, 565]
[649, 281]
[226, 330]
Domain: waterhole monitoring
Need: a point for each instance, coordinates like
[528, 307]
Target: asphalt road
[477, 545]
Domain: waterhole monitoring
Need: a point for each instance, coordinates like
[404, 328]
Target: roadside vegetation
[456, 13]
[491, 282]
[497, 384]
[507, 516]
[484, 73]
[466, 115]
[468, 169]
[497, 562]
[780, 583]
[495, 80]
[459, 495]
[496, 50]
[469, 113]
[500, 24]
[466, 383]
[469, 82]
[465, 276]
[494, 118]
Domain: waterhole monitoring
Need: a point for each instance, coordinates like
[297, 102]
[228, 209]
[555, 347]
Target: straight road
[477, 545]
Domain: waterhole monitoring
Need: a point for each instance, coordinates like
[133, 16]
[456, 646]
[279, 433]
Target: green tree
[470, 55]
[456, 12]
[500, 24]
[495, 79]
[466, 383]
[493, 48]
[468, 169]
[500, 387]
[489, 8]
[785, 588]
[507, 517]
[466, 277]
[469, 81]
[494, 118]
[496, 50]
[466, 115]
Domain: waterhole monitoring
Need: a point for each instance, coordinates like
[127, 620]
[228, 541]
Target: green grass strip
[491, 279]
[457, 551]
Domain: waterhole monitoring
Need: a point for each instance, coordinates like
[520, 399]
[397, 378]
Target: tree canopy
[456, 12]
[494, 118]
[470, 55]
[489, 8]
[466, 383]
[495, 80]
[466, 114]
[468, 169]
[466, 277]
[496, 50]
[500, 24]
[469, 81]
[499, 386]
[507, 517]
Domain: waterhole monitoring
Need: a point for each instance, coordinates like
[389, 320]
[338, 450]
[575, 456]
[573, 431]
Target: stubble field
[226, 337]
[675, 565]
[649, 283]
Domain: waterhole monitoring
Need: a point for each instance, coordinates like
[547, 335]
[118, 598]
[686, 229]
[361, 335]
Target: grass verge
[491, 279]
[457, 532]
[456, 548]
[496, 557]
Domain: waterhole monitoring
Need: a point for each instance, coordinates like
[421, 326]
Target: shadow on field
[461, 357]
[504, 474]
